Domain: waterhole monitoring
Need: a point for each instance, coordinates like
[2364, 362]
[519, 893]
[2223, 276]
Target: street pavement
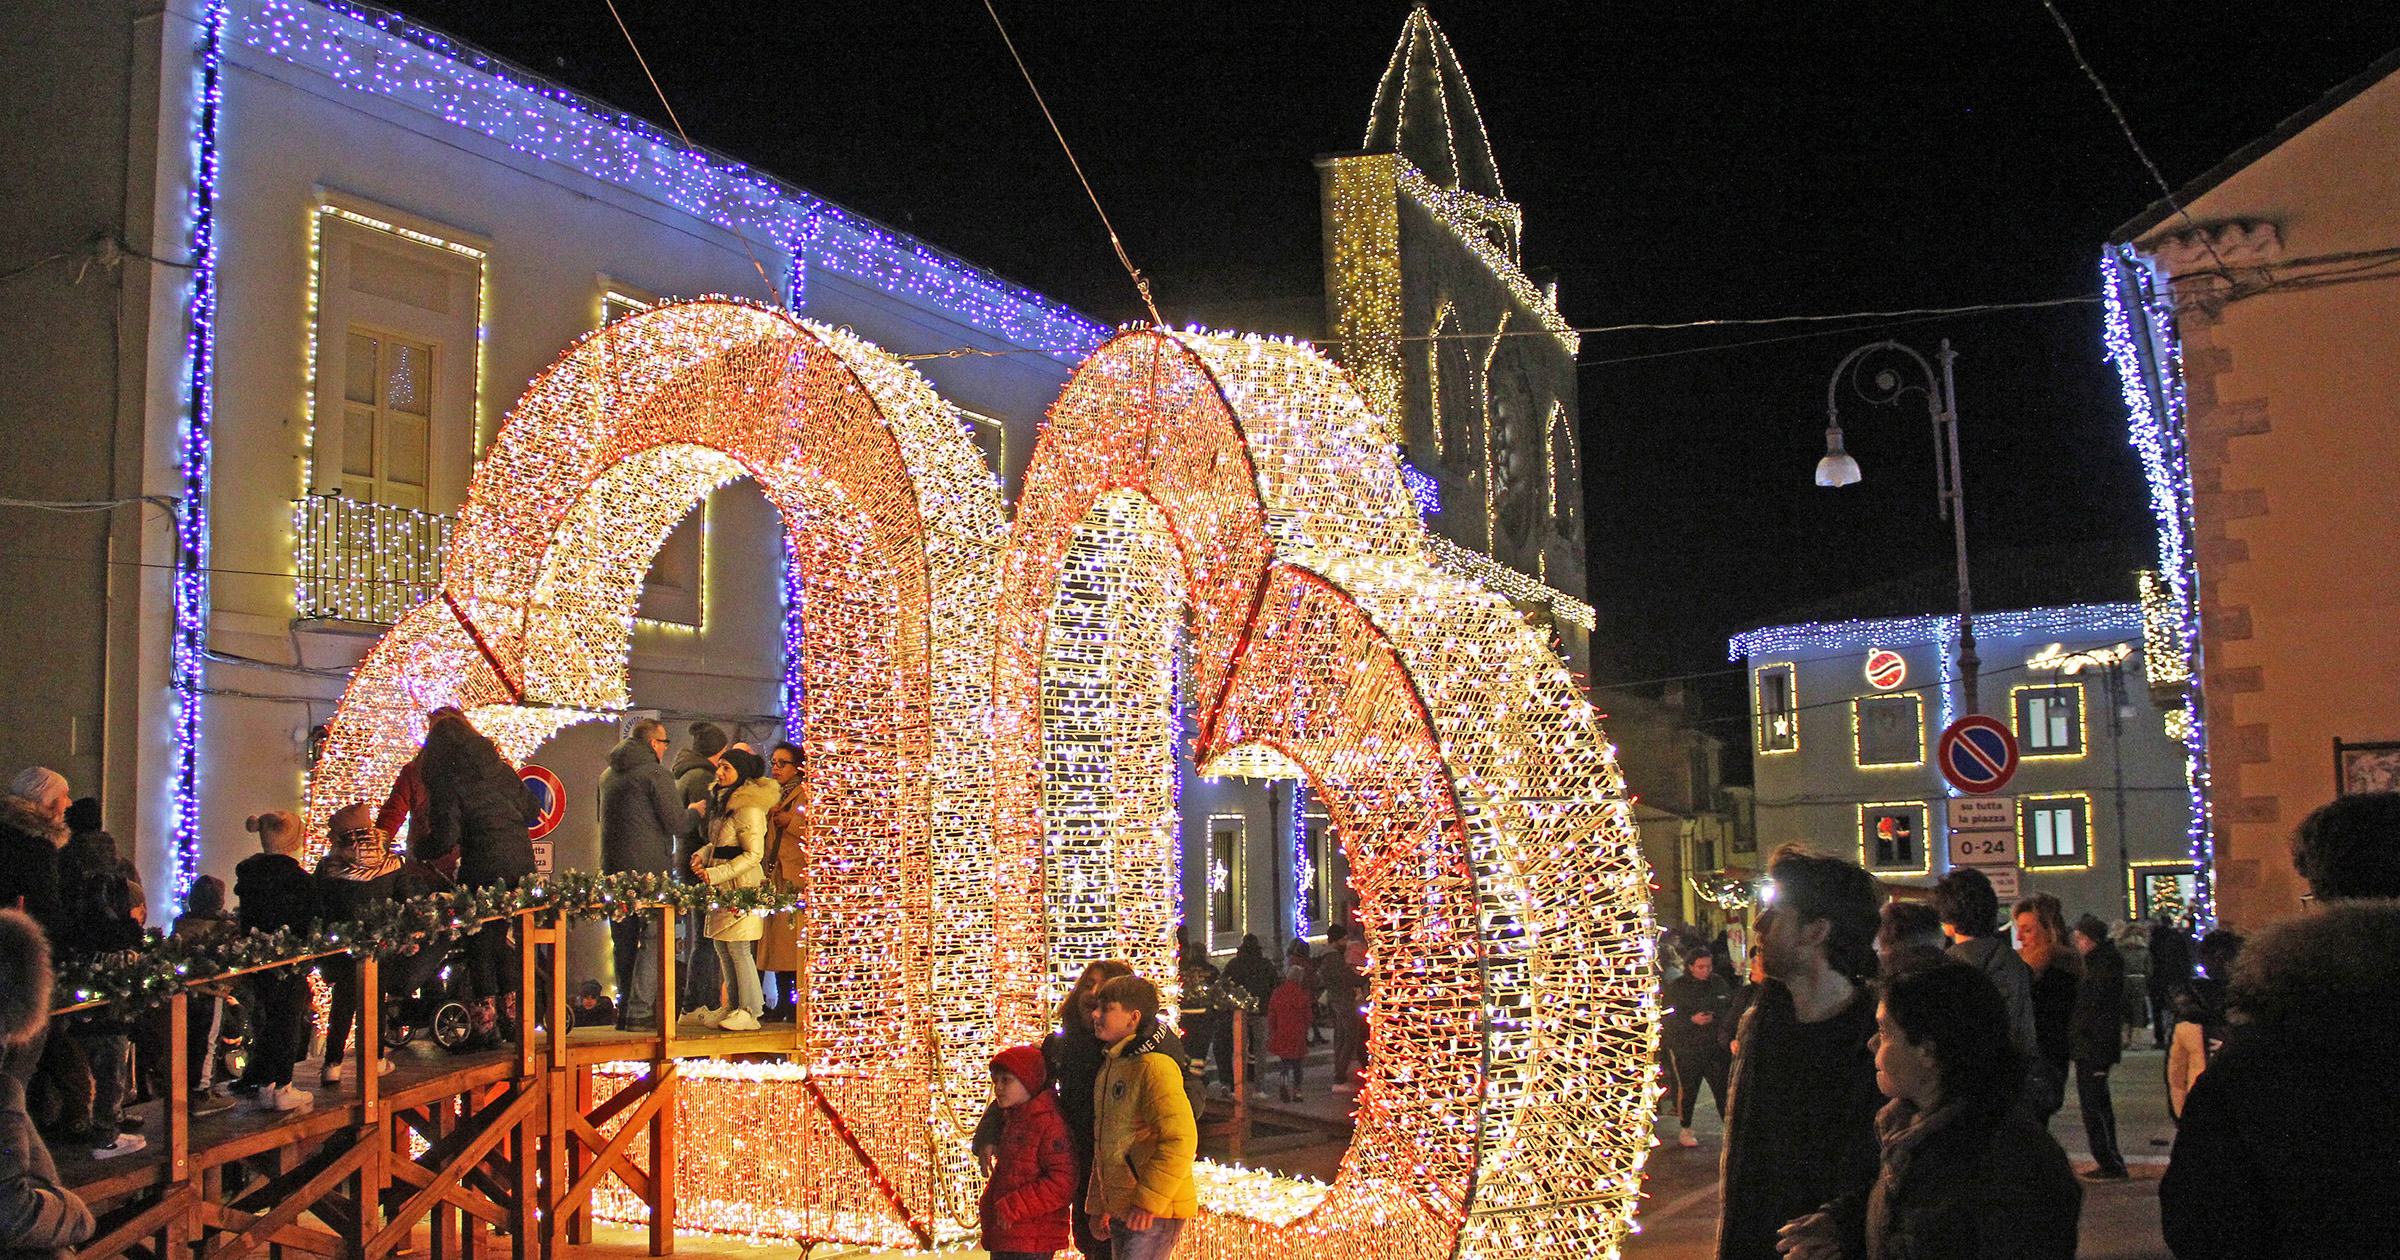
[2120, 1219]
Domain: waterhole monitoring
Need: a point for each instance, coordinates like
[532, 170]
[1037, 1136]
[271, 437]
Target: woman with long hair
[1961, 1176]
[477, 808]
[734, 856]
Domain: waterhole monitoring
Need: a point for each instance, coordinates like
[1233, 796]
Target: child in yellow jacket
[1144, 1135]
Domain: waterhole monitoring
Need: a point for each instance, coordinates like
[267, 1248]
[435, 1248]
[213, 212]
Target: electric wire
[1140, 281]
[664, 104]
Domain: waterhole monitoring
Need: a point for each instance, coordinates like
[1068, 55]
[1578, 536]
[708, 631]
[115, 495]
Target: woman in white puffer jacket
[734, 857]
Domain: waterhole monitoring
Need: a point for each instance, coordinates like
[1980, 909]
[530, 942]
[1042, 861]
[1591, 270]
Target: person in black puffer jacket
[276, 896]
[475, 804]
[97, 919]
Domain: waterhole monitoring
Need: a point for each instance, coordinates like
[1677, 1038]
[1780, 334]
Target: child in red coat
[1033, 1174]
[1289, 1013]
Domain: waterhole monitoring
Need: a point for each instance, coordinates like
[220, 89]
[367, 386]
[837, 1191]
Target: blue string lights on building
[383, 54]
[190, 648]
[2149, 363]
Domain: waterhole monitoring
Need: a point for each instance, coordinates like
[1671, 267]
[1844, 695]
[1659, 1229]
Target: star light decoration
[992, 739]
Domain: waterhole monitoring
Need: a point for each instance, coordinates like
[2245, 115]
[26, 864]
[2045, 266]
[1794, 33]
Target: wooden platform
[504, 1144]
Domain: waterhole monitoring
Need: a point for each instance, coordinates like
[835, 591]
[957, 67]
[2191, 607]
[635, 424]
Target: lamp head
[1837, 468]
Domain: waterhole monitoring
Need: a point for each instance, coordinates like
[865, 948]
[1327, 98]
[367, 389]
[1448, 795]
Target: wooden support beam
[480, 1135]
[313, 1241]
[176, 1202]
[611, 1155]
[343, 1162]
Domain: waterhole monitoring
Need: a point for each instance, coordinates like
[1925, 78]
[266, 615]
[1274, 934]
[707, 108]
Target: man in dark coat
[642, 818]
[2289, 1141]
[1800, 1126]
[2095, 1042]
[2170, 971]
[1970, 914]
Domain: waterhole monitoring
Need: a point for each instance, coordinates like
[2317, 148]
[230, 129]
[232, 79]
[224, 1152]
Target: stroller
[426, 998]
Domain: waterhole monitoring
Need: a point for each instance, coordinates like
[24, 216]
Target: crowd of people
[1886, 1074]
[1893, 1066]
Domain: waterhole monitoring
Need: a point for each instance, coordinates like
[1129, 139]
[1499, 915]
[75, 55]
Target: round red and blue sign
[1885, 669]
[549, 796]
[1978, 754]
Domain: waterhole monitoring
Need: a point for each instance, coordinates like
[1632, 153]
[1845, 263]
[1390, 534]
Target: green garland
[133, 980]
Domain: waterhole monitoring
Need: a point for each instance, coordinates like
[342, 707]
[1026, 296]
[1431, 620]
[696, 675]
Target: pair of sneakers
[282, 1098]
[729, 1019]
[332, 1075]
[119, 1144]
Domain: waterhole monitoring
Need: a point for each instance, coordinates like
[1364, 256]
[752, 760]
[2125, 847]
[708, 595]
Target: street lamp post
[1838, 468]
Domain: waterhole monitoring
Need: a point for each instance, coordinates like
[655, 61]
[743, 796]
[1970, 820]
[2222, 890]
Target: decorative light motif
[366, 562]
[1304, 868]
[1421, 484]
[1232, 493]
[1448, 745]
[383, 54]
[2064, 621]
[190, 651]
[1506, 582]
[2149, 363]
[2057, 657]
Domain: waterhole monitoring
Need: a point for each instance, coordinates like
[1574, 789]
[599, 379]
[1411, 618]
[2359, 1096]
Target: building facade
[2256, 323]
[1846, 717]
[306, 255]
[1430, 306]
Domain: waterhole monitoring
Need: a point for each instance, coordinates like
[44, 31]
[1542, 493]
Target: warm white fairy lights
[1487, 832]
[972, 848]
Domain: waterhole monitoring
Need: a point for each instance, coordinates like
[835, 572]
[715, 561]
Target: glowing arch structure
[895, 526]
[1227, 498]
[990, 738]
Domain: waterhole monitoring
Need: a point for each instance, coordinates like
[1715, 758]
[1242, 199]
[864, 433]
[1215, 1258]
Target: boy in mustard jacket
[1143, 1132]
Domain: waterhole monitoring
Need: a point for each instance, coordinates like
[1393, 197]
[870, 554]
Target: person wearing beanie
[38, 1216]
[38, 798]
[2096, 1042]
[357, 871]
[276, 896]
[1024, 1208]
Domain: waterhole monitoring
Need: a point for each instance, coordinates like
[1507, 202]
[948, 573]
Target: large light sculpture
[992, 740]
[1239, 491]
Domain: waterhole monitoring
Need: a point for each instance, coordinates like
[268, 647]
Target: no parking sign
[550, 801]
[1978, 754]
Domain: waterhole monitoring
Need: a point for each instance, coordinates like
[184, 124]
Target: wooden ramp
[501, 1148]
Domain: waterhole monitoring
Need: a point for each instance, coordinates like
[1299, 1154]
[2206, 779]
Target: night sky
[1676, 162]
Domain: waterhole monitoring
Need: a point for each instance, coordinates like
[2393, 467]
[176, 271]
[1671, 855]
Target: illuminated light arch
[1242, 484]
[894, 526]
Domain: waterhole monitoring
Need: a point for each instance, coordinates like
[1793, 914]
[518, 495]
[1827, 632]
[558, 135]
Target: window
[1315, 876]
[396, 316]
[2163, 892]
[387, 422]
[1889, 730]
[1778, 710]
[674, 590]
[1225, 859]
[2056, 831]
[2050, 720]
[1892, 837]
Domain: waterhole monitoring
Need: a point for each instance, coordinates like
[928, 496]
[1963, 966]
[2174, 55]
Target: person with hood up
[38, 1216]
[642, 818]
[38, 799]
[1033, 1176]
[2095, 1043]
[1143, 1132]
[2288, 1143]
[357, 871]
[276, 896]
[477, 807]
[735, 857]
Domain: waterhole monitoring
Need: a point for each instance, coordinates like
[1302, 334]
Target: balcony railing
[367, 562]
